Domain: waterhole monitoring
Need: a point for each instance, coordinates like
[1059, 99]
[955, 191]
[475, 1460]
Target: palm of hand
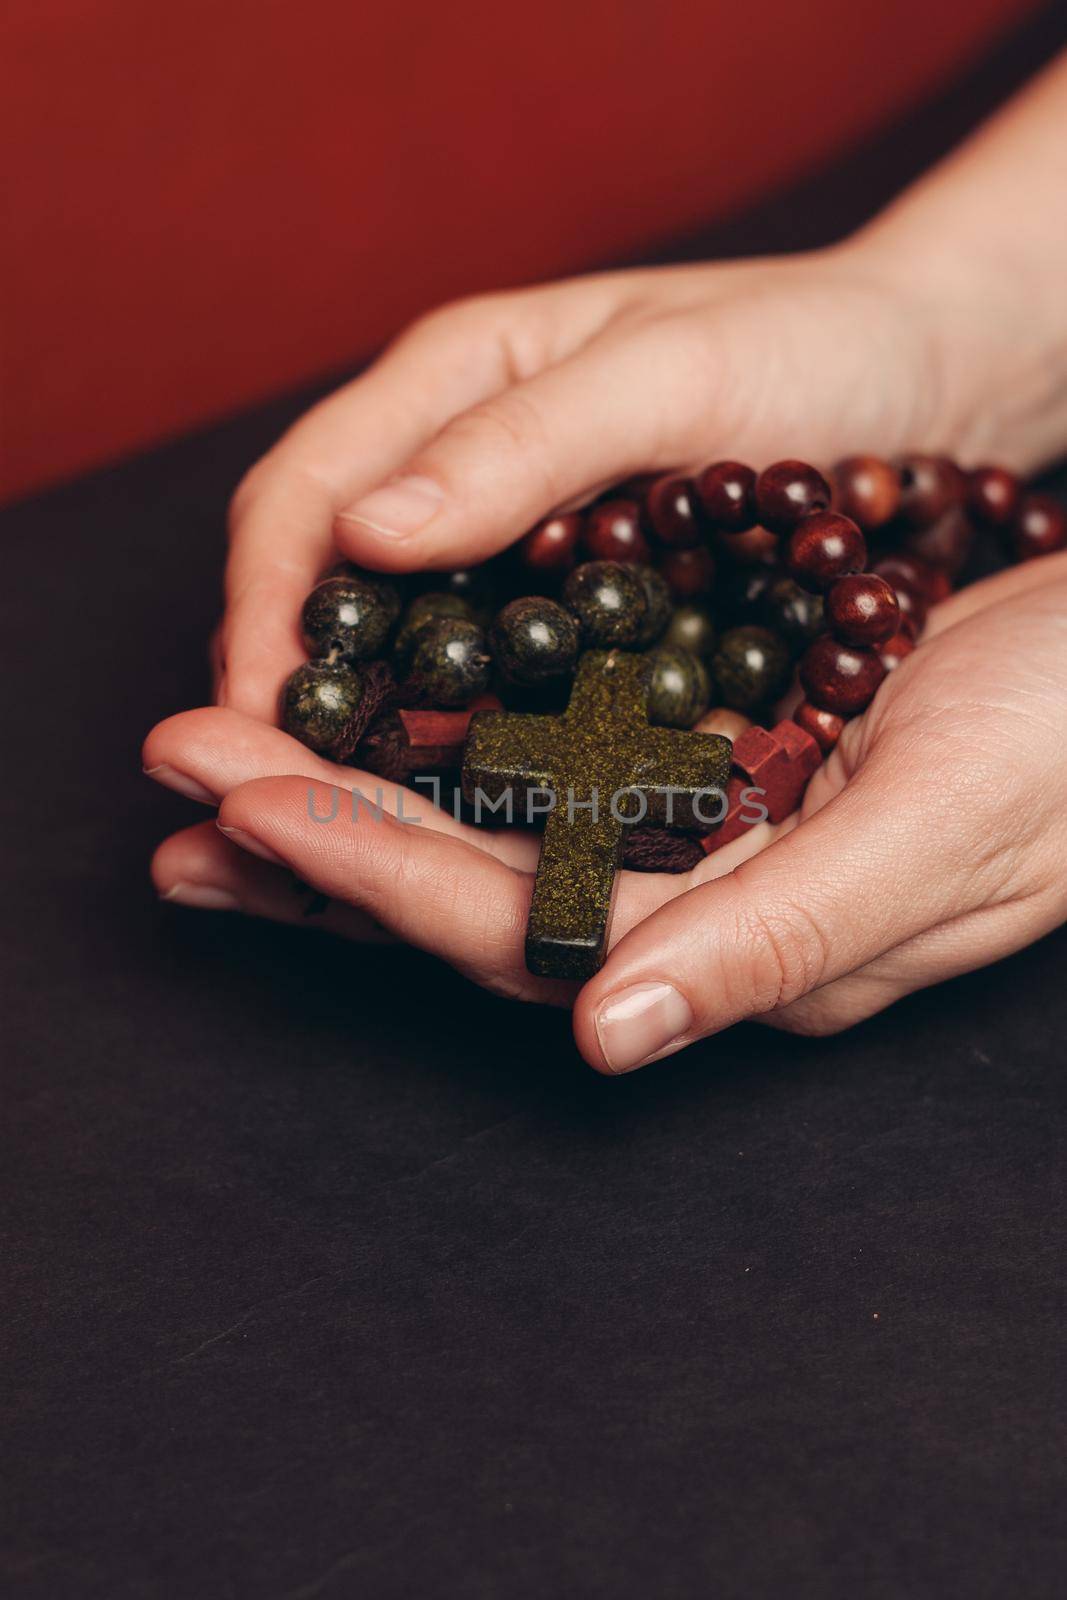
[925, 843]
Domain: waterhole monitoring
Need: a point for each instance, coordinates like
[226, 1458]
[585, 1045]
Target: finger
[958, 945]
[437, 893]
[790, 920]
[279, 545]
[215, 664]
[995, 590]
[620, 404]
[203, 754]
[199, 868]
[280, 521]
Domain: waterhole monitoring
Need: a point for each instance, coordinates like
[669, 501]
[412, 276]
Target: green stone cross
[597, 769]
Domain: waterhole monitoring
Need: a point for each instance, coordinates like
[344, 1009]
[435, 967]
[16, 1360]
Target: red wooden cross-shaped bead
[778, 765]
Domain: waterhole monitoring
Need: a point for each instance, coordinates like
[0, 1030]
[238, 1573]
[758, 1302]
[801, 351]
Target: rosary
[571, 678]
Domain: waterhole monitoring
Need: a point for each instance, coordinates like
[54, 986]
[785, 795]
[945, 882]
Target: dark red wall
[209, 201]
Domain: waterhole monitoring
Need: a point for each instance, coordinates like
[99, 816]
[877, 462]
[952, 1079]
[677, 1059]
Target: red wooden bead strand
[674, 512]
[824, 547]
[787, 491]
[754, 548]
[825, 727]
[867, 489]
[1040, 529]
[902, 567]
[993, 496]
[946, 542]
[840, 677]
[929, 486]
[913, 609]
[634, 488]
[727, 492]
[862, 609]
[939, 588]
[613, 532]
[911, 580]
[550, 548]
[892, 653]
[689, 572]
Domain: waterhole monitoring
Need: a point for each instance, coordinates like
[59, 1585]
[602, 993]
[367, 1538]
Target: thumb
[872, 868]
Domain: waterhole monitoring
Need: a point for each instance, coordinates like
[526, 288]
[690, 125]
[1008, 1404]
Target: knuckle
[510, 417]
[787, 954]
[512, 423]
[465, 313]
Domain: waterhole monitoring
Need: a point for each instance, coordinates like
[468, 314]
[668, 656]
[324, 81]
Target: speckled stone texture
[600, 746]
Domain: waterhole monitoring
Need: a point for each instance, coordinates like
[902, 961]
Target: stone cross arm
[599, 767]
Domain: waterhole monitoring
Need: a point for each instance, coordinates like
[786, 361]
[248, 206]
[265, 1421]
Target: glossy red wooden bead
[862, 609]
[929, 486]
[727, 492]
[634, 487]
[867, 489]
[1040, 528]
[913, 581]
[946, 542]
[993, 496]
[674, 512]
[550, 549]
[753, 548]
[939, 588]
[689, 572]
[613, 532]
[824, 547]
[787, 491]
[825, 727]
[913, 612]
[892, 653]
[840, 677]
[901, 567]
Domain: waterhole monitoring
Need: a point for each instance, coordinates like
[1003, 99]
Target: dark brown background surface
[327, 1275]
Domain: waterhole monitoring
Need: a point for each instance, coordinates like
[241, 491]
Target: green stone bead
[534, 640]
[691, 628]
[450, 663]
[750, 668]
[318, 701]
[740, 595]
[426, 608]
[478, 586]
[793, 613]
[609, 602]
[660, 603]
[390, 589]
[679, 689]
[345, 617]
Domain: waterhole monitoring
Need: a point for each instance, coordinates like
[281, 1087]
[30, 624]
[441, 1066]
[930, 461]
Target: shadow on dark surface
[329, 1275]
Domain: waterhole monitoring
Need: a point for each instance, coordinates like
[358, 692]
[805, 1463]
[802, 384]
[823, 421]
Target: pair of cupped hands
[930, 843]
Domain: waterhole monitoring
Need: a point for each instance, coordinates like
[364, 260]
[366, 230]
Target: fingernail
[398, 509]
[180, 783]
[639, 1022]
[202, 895]
[253, 846]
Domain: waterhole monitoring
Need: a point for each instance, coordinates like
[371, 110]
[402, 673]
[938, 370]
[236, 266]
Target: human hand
[941, 808]
[499, 410]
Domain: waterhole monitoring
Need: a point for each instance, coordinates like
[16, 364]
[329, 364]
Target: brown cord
[660, 850]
